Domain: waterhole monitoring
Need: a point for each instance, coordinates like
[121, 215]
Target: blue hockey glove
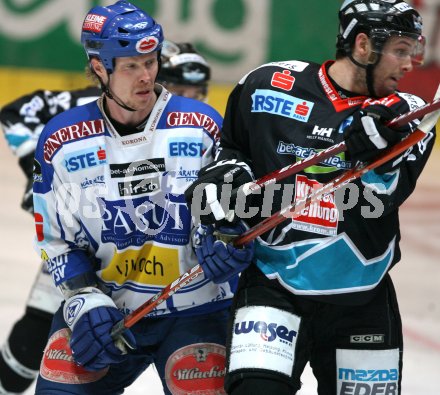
[367, 135]
[204, 196]
[221, 261]
[91, 317]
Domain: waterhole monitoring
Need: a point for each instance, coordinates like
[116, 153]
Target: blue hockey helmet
[119, 30]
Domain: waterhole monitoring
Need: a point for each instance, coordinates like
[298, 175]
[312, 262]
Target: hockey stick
[292, 210]
[295, 209]
[319, 156]
[130, 319]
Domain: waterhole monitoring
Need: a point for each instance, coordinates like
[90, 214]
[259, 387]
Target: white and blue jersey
[113, 204]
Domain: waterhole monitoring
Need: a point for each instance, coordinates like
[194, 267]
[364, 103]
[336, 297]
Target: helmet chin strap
[369, 68]
[106, 89]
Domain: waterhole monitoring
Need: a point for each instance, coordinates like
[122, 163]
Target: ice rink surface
[416, 277]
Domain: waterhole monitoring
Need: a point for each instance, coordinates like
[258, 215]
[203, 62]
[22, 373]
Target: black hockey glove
[204, 196]
[27, 165]
[367, 135]
[27, 202]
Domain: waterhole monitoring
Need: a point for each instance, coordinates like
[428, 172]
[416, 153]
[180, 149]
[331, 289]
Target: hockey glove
[367, 135]
[392, 165]
[221, 261]
[27, 202]
[204, 196]
[91, 317]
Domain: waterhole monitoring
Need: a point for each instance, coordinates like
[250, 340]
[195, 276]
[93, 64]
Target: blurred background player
[184, 72]
[22, 122]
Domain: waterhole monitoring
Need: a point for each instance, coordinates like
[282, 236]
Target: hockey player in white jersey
[22, 121]
[114, 228]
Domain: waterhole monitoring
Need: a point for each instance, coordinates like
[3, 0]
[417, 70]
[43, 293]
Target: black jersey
[340, 248]
[23, 119]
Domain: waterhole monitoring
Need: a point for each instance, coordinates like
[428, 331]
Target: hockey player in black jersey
[22, 121]
[319, 288]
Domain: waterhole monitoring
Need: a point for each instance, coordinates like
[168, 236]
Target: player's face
[396, 60]
[133, 79]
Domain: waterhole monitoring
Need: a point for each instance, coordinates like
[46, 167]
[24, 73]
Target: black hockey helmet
[379, 20]
[182, 65]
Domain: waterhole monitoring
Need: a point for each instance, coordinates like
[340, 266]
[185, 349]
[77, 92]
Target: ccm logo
[367, 339]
